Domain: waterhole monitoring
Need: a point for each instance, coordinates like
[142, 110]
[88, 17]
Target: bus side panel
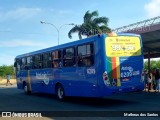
[75, 81]
[42, 80]
[79, 81]
[82, 81]
[19, 82]
[21, 78]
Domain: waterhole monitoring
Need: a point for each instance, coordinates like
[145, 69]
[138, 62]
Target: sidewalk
[3, 83]
[146, 90]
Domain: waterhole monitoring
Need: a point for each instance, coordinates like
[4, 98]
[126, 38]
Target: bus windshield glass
[122, 46]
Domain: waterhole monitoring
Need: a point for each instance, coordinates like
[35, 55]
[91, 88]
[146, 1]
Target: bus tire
[25, 88]
[60, 92]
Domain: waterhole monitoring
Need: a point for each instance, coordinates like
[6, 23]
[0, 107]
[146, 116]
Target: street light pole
[58, 29]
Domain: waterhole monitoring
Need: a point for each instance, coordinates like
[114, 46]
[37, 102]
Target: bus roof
[61, 46]
[93, 38]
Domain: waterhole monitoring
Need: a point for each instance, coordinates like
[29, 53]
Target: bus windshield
[122, 46]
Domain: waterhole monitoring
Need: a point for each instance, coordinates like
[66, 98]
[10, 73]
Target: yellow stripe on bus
[118, 71]
[29, 80]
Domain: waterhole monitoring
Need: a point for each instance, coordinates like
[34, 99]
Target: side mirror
[27, 68]
[15, 64]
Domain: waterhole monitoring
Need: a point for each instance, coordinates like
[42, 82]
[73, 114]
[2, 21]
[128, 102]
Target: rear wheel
[60, 92]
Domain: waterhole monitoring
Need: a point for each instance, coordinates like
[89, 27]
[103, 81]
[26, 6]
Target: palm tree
[92, 25]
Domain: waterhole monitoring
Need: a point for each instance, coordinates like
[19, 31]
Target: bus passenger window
[86, 53]
[23, 66]
[79, 61]
[38, 61]
[17, 64]
[29, 62]
[69, 57]
[56, 59]
[55, 64]
[40, 65]
[46, 57]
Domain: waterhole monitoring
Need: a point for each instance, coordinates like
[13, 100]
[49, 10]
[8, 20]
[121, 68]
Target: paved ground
[3, 81]
[12, 99]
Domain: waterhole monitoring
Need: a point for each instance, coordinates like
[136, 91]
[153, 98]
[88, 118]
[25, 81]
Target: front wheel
[60, 92]
[26, 90]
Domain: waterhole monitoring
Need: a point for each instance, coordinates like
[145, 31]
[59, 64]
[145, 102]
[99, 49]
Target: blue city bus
[97, 66]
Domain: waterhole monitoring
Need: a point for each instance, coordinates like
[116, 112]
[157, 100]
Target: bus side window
[40, 66]
[90, 55]
[20, 64]
[85, 55]
[29, 62]
[47, 60]
[33, 62]
[79, 61]
[57, 61]
[69, 57]
[38, 61]
[24, 63]
[17, 64]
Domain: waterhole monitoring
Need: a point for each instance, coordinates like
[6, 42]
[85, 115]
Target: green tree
[153, 65]
[158, 64]
[4, 70]
[92, 25]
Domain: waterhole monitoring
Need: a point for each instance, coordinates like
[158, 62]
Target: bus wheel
[60, 92]
[26, 91]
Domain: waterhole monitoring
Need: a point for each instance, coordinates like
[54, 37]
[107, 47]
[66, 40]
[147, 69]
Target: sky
[21, 31]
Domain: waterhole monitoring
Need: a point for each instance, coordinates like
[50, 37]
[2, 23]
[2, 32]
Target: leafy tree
[4, 70]
[158, 64]
[92, 24]
[153, 65]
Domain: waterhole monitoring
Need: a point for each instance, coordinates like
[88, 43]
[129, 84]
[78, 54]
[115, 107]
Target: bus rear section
[123, 64]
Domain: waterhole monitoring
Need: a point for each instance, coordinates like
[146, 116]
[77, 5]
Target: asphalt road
[12, 99]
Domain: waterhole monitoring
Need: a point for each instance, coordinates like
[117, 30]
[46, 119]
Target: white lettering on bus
[91, 71]
[129, 72]
[129, 68]
[43, 76]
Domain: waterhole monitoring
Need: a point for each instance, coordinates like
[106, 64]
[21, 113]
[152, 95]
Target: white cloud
[153, 8]
[20, 14]
[23, 43]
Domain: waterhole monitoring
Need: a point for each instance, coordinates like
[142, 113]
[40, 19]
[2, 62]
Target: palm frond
[105, 29]
[101, 20]
[92, 25]
[80, 35]
[87, 17]
[95, 14]
[73, 30]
